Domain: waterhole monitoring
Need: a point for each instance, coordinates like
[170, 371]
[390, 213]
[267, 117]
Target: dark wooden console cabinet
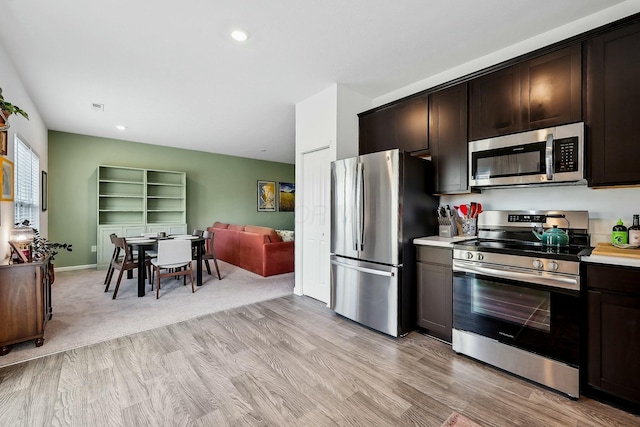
[435, 290]
[25, 303]
[533, 94]
[613, 334]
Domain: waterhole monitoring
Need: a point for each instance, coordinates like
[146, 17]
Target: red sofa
[254, 248]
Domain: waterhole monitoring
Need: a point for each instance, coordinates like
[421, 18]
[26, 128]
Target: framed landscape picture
[4, 149]
[286, 197]
[266, 196]
[7, 180]
[45, 191]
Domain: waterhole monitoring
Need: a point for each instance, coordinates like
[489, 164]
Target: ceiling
[172, 75]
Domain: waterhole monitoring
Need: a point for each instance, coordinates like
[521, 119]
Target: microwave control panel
[566, 154]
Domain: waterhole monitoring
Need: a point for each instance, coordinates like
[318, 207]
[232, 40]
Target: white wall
[327, 119]
[605, 206]
[587, 23]
[350, 103]
[316, 129]
[32, 131]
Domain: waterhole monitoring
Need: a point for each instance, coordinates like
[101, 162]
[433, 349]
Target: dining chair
[114, 257]
[174, 255]
[126, 263]
[210, 252]
[197, 232]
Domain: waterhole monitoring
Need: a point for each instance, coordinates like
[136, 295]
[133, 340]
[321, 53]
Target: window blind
[26, 184]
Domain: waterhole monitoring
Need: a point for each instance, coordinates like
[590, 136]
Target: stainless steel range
[516, 299]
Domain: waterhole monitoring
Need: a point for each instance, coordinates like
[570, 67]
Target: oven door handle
[541, 278]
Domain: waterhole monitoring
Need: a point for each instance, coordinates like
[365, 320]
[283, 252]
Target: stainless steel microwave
[538, 157]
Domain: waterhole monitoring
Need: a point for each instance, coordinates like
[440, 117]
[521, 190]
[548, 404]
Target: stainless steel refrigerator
[380, 202]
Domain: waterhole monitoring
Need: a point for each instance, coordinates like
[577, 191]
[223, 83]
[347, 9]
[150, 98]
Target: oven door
[533, 317]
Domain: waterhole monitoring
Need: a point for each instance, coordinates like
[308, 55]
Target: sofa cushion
[253, 251]
[220, 225]
[285, 235]
[235, 227]
[267, 231]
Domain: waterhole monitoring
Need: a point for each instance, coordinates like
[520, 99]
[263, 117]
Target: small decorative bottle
[619, 235]
[634, 231]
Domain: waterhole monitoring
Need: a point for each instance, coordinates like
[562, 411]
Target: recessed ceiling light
[239, 35]
[121, 127]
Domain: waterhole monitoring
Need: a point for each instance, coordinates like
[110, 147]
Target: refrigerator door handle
[355, 209]
[364, 269]
[361, 204]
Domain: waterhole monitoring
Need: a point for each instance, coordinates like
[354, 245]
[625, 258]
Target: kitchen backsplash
[605, 206]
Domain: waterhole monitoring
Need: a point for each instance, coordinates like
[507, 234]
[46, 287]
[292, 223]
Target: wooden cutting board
[607, 249]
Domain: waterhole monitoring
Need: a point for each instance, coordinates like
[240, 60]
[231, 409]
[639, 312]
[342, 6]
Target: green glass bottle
[619, 235]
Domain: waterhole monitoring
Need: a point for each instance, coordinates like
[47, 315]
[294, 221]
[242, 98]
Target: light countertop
[611, 260]
[445, 242]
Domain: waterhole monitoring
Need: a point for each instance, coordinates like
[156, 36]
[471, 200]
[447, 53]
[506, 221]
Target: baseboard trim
[76, 267]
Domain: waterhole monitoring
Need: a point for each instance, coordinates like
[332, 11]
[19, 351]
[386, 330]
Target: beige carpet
[459, 420]
[84, 314]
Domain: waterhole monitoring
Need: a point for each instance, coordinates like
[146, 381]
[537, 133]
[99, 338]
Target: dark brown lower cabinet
[613, 334]
[25, 303]
[435, 290]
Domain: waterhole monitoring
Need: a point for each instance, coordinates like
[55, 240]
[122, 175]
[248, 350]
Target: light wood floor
[288, 361]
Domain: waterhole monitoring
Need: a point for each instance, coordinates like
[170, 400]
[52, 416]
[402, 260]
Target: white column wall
[32, 131]
[316, 128]
[327, 119]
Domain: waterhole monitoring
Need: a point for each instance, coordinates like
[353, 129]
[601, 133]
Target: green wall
[219, 188]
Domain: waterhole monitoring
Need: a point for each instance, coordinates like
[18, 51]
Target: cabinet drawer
[614, 279]
[434, 255]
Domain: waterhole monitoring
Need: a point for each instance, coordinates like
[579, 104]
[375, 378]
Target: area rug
[459, 420]
[84, 314]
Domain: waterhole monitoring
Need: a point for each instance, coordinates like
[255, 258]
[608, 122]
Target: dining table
[142, 245]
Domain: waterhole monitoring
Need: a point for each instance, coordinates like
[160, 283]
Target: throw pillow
[285, 235]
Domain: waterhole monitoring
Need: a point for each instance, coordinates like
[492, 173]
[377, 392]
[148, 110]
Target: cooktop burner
[532, 249]
[512, 233]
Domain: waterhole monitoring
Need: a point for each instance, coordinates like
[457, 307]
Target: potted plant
[7, 109]
[42, 248]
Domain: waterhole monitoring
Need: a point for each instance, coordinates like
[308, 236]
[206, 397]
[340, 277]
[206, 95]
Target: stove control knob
[469, 255]
[537, 264]
[553, 266]
[480, 257]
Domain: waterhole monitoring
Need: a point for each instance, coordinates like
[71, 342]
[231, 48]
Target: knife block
[449, 230]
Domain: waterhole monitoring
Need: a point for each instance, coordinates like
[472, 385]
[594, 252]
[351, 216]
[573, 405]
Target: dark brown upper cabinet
[612, 108]
[448, 139]
[377, 131]
[537, 93]
[494, 104]
[551, 89]
[402, 125]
